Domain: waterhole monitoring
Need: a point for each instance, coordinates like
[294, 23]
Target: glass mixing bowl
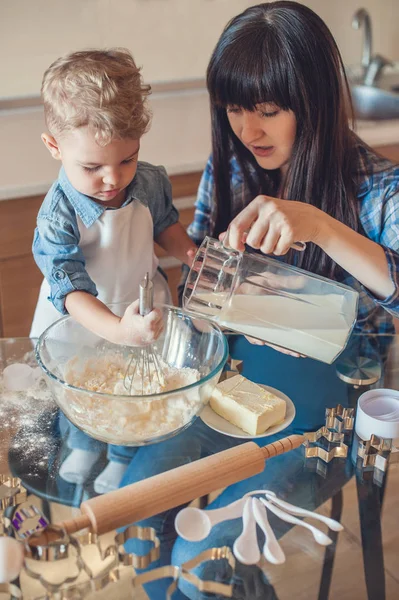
[66, 348]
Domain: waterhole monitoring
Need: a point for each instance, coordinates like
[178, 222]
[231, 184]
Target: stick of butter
[247, 405]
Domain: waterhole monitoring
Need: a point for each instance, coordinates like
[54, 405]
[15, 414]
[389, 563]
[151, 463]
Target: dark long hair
[283, 53]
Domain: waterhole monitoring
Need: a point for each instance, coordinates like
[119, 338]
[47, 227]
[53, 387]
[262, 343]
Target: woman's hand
[272, 225]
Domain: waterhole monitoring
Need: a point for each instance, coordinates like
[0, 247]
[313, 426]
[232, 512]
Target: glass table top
[360, 563]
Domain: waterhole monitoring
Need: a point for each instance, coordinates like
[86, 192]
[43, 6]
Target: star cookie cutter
[184, 573]
[326, 456]
[340, 419]
[324, 432]
[12, 492]
[377, 452]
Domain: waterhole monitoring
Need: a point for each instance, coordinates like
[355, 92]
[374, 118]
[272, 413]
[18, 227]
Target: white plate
[216, 422]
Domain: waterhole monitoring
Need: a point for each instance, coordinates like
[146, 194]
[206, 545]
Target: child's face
[268, 132]
[101, 172]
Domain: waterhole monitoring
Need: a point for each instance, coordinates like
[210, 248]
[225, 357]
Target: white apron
[119, 250]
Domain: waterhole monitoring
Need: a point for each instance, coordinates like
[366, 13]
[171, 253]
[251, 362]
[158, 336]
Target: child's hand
[135, 330]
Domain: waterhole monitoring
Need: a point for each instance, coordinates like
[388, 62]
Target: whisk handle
[178, 486]
[146, 299]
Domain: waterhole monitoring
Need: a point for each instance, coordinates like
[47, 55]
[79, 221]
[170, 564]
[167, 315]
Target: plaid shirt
[378, 201]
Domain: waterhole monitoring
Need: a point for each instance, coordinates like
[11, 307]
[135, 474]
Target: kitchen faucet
[372, 65]
[362, 17]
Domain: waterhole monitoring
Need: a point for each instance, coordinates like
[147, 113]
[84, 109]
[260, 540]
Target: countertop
[179, 139]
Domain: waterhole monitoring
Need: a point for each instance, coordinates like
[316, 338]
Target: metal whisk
[144, 361]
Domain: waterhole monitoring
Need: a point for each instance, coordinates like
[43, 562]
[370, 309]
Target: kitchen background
[173, 40]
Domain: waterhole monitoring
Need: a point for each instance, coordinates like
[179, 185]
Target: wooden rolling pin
[178, 486]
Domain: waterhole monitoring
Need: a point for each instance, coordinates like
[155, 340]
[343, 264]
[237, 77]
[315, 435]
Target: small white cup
[378, 414]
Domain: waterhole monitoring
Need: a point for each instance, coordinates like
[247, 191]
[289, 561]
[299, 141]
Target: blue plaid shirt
[378, 201]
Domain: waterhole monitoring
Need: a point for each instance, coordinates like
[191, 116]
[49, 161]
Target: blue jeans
[78, 440]
[312, 386]
[152, 460]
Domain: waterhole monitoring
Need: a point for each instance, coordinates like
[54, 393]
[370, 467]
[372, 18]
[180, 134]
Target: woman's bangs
[239, 80]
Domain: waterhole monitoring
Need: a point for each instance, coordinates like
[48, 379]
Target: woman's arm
[273, 225]
[361, 257]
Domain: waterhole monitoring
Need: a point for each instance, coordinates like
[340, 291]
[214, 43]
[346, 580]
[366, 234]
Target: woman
[286, 167]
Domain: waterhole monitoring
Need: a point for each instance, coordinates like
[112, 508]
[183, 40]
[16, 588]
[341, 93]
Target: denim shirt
[378, 206]
[56, 247]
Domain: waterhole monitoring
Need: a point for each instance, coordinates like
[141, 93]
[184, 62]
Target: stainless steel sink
[378, 101]
[375, 84]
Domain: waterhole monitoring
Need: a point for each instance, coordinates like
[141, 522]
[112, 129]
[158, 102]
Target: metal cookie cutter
[184, 572]
[79, 591]
[140, 533]
[377, 452]
[12, 492]
[50, 545]
[26, 521]
[340, 418]
[326, 456]
[324, 432]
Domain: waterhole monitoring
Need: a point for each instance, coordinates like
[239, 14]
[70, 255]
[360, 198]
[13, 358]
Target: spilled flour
[26, 419]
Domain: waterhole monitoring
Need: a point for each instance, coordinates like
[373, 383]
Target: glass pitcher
[264, 298]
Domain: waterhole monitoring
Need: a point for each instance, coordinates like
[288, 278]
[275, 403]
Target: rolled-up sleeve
[58, 256]
[389, 241]
[391, 304]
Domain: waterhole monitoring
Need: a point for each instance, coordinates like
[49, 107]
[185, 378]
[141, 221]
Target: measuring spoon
[320, 537]
[302, 512]
[246, 548]
[194, 524]
[272, 550]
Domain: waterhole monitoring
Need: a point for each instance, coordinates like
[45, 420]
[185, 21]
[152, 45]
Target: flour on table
[26, 416]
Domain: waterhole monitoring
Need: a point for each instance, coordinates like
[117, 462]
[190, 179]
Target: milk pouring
[271, 301]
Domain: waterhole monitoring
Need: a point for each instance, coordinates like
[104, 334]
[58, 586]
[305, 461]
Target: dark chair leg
[370, 498]
[382, 489]
[203, 501]
[329, 554]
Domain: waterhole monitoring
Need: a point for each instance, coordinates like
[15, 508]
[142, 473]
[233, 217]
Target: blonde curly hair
[100, 89]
